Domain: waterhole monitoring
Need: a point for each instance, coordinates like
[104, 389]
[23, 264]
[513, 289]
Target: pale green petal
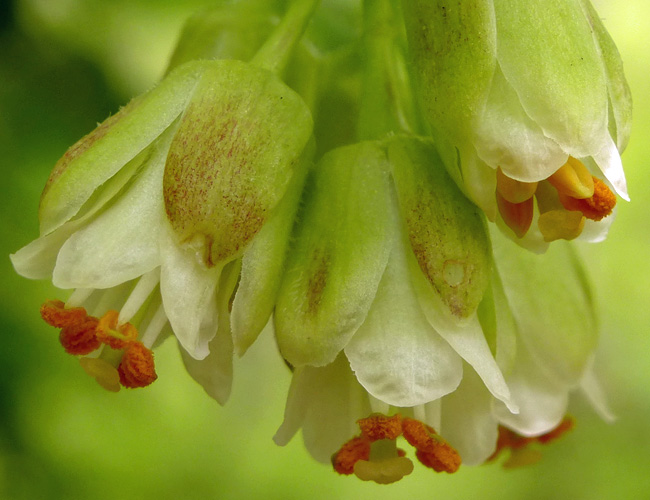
[479, 183]
[262, 268]
[619, 91]
[542, 402]
[506, 137]
[326, 402]
[122, 243]
[215, 371]
[37, 259]
[102, 153]
[547, 53]
[341, 249]
[188, 292]
[396, 355]
[590, 386]
[467, 420]
[551, 304]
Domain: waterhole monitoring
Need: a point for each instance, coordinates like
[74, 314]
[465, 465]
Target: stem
[387, 105]
[276, 51]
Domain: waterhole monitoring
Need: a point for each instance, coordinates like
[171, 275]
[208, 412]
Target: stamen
[79, 296]
[517, 216]
[155, 326]
[383, 471]
[357, 448]
[596, 207]
[561, 225]
[80, 339]
[54, 313]
[512, 190]
[377, 427]
[102, 371]
[137, 367]
[114, 335]
[432, 450]
[139, 295]
[573, 179]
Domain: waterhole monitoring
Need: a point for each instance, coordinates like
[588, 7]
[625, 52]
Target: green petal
[396, 354]
[99, 155]
[547, 53]
[445, 230]
[620, 96]
[551, 304]
[507, 137]
[238, 145]
[341, 249]
[262, 269]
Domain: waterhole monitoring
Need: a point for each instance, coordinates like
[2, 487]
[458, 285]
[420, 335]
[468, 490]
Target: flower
[544, 345]
[161, 212]
[531, 102]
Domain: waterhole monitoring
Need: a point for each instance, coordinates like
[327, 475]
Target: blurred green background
[67, 64]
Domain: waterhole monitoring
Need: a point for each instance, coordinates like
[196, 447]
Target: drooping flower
[531, 102]
[157, 216]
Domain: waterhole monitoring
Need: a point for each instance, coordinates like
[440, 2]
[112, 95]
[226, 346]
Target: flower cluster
[359, 191]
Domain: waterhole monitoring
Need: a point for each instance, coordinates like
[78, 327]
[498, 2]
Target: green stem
[387, 105]
[276, 51]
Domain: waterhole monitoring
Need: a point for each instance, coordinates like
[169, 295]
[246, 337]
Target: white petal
[594, 392]
[122, 242]
[396, 355]
[467, 420]
[188, 291]
[542, 402]
[326, 402]
[507, 137]
[609, 161]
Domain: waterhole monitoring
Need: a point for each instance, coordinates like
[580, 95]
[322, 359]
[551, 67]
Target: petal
[326, 402]
[122, 243]
[547, 53]
[506, 137]
[551, 303]
[102, 153]
[340, 252]
[214, 372]
[609, 161]
[542, 401]
[188, 292]
[592, 389]
[396, 355]
[467, 420]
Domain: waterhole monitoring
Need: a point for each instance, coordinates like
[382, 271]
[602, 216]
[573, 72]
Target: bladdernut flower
[161, 211]
[531, 102]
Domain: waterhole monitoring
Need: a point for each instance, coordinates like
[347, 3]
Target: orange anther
[54, 313]
[117, 337]
[432, 450]
[378, 426]
[512, 190]
[137, 367]
[565, 426]
[597, 207]
[80, 339]
[357, 448]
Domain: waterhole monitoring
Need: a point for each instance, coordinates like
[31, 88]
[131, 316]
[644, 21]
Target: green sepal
[446, 231]
[237, 147]
[339, 256]
[101, 154]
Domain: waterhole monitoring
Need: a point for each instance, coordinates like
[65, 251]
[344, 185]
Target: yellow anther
[573, 179]
[103, 372]
[512, 190]
[561, 225]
